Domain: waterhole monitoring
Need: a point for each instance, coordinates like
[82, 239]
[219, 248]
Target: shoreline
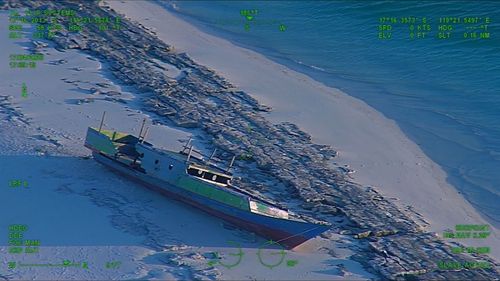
[311, 72]
[437, 201]
[440, 137]
[317, 74]
[369, 234]
[149, 238]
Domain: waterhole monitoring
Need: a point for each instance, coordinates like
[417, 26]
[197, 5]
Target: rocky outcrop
[391, 244]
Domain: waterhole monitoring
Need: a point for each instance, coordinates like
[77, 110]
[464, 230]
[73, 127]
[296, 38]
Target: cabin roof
[110, 133]
[194, 161]
[168, 153]
[211, 169]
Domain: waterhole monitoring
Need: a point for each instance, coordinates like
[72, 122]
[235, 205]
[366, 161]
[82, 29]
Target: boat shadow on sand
[66, 190]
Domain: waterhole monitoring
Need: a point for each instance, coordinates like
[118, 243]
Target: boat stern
[98, 141]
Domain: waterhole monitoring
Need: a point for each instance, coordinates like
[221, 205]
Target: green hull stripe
[212, 193]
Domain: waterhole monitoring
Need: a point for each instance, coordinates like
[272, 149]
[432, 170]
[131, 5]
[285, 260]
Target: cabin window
[223, 180]
[194, 172]
[208, 176]
[157, 161]
[170, 166]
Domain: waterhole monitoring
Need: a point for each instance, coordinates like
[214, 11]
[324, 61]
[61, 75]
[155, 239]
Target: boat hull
[289, 233]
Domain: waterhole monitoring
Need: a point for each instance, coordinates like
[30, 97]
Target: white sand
[60, 213]
[367, 141]
[83, 212]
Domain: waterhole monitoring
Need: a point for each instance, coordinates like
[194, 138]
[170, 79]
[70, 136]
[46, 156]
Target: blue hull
[289, 233]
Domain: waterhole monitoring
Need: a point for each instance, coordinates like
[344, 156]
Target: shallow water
[444, 93]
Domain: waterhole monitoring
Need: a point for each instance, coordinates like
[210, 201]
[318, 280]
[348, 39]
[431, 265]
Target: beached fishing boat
[192, 179]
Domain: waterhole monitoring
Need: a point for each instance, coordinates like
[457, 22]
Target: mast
[102, 121]
[189, 154]
[231, 164]
[145, 134]
[187, 144]
[211, 156]
[142, 127]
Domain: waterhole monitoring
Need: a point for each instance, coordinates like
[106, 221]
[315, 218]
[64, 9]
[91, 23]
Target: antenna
[213, 154]
[231, 164]
[142, 127]
[187, 144]
[102, 121]
[189, 154]
[145, 134]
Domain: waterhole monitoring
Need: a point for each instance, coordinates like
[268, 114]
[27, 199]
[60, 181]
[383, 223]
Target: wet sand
[374, 146]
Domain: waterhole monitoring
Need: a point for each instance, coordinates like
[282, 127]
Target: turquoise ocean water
[444, 93]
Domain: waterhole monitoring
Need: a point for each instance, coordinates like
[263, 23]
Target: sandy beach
[372, 145]
[99, 217]
[106, 218]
